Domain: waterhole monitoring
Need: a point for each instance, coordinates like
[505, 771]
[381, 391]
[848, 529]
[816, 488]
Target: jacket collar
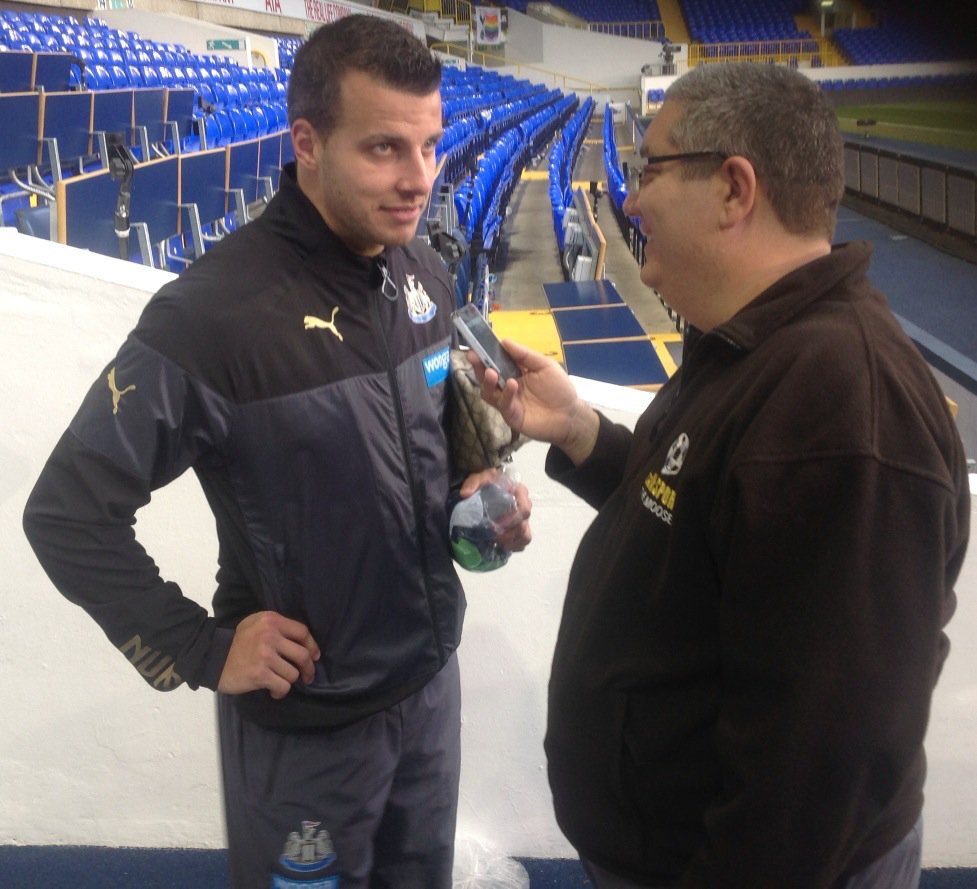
[780, 302]
[295, 218]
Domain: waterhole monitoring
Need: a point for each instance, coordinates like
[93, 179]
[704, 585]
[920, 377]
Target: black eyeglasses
[635, 174]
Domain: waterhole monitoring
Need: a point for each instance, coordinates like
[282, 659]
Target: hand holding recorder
[477, 334]
[531, 391]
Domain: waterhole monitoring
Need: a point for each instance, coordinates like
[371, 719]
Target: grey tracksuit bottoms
[371, 805]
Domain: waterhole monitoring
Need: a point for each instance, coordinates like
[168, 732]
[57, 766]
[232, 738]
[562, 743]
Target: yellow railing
[647, 30]
[783, 52]
[459, 10]
[401, 6]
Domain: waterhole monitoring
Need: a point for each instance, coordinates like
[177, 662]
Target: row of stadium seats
[601, 10]
[479, 199]
[733, 21]
[562, 159]
[105, 44]
[581, 243]
[161, 98]
[467, 92]
[222, 93]
[906, 37]
[494, 125]
[657, 96]
[180, 204]
[224, 126]
[50, 137]
[899, 42]
[107, 58]
[613, 10]
[900, 82]
[617, 186]
[499, 168]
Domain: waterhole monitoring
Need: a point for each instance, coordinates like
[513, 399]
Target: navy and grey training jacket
[306, 387]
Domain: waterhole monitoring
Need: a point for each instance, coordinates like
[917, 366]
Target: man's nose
[630, 204]
[417, 172]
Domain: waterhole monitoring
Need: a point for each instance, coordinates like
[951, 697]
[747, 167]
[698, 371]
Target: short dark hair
[781, 122]
[376, 46]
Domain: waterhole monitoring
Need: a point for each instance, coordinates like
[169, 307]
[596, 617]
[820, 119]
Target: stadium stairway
[673, 20]
[588, 326]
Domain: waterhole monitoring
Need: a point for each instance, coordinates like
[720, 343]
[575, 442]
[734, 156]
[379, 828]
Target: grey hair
[781, 122]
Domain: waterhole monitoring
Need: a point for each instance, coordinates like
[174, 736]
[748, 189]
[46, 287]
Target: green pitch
[951, 123]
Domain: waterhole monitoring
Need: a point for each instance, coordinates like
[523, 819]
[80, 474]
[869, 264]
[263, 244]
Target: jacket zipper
[388, 291]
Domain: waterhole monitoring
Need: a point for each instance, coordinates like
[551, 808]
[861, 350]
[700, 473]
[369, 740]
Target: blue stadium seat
[250, 124]
[97, 77]
[225, 127]
[212, 131]
[220, 94]
[239, 126]
[206, 92]
[262, 120]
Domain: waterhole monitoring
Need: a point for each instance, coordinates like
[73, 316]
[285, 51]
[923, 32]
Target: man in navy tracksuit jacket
[299, 368]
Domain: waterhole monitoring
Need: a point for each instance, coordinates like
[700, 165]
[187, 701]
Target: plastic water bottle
[477, 521]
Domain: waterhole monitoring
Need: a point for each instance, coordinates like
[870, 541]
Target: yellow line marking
[593, 306]
[661, 350]
[534, 328]
[608, 339]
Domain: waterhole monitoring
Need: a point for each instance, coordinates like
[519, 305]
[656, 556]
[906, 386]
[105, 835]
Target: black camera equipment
[122, 164]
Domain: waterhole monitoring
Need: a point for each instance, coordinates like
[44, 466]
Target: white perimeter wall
[90, 754]
[579, 57]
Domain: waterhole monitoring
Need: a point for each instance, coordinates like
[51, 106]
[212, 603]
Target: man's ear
[740, 194]
[304, 141]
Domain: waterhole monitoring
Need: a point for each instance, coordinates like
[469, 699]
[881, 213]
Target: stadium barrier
[940, 194]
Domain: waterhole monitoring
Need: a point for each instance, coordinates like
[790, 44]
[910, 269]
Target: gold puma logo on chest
[311, 322]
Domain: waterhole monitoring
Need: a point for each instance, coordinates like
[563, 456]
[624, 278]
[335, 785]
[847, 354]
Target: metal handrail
[459, 10]
[642, 30]
[805, 49]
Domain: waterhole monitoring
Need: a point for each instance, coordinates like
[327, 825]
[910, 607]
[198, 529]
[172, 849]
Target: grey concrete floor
[528, 257]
